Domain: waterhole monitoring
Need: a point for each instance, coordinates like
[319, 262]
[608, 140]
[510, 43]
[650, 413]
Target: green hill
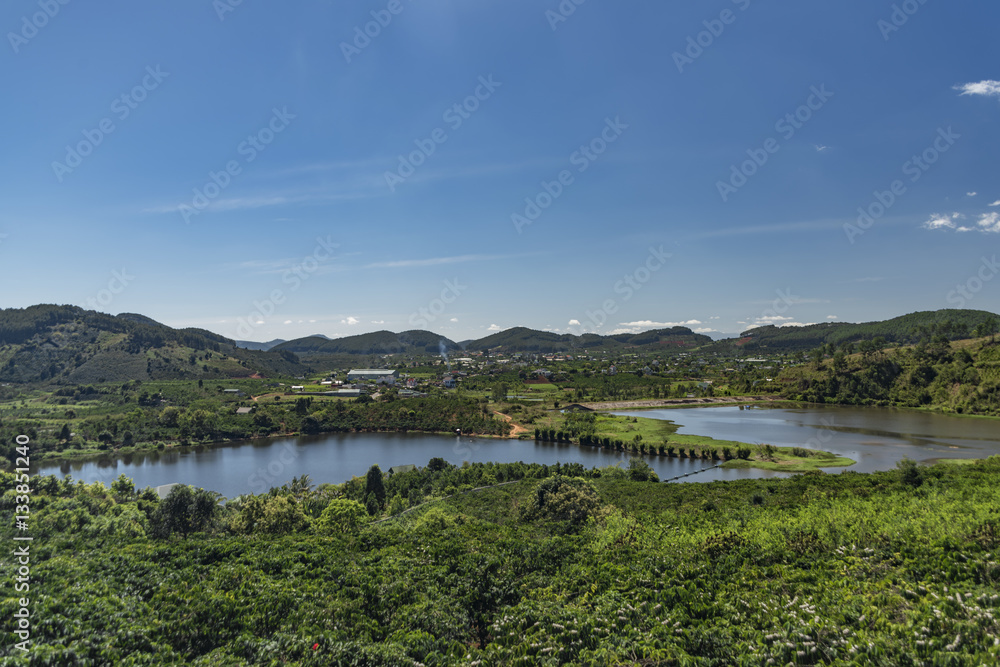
[70, 345]
[907, 329]
[522, 339]
[961, 377]
[378, 342]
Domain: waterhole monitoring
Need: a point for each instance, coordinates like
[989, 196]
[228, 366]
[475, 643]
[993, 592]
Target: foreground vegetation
[558, 567]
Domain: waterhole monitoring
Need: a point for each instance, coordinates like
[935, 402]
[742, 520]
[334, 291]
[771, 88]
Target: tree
[184, 511]
[640, 471]
[375, 485]
[562, 499]
[123, 488]
[342, 515]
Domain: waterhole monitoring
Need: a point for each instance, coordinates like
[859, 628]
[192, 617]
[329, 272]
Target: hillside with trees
[70, 345]
[907, 329]
[961, 377]
[378, 342]
[522, 339]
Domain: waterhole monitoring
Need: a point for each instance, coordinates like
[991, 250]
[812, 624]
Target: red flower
[315, 646]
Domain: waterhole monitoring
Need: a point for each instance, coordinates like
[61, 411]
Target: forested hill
[961, 377]
[522, 339]
[907, 329]
[378, 342]
[67, 344]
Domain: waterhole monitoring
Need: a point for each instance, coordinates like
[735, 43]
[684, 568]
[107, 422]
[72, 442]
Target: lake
[874, 437]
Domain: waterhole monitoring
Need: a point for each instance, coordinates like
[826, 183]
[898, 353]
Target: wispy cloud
[988, 223]
[777, 228]
[436, 261]
[986, 88]
[946, 221]
[649, 324]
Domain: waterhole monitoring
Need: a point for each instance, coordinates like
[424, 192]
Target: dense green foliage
[894, 568]
[907, 329]
[957, 378]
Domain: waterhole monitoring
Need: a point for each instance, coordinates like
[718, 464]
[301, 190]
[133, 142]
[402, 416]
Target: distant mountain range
[251, 345]
[70, 345]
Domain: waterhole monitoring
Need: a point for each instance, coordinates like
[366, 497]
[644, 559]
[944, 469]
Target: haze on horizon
[279, 171]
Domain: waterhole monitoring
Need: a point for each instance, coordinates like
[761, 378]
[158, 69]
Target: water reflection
[875, 438]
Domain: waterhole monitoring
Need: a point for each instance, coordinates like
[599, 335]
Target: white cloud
[288, 321]
[938, 221]
[996, 203]
[658, 325]
[773, 318]
[989, 223]
[714, 317]
[574, 323]
[454, 319]
[703, 330]
[350, 320]
[820, 149]
[493, 327]
[971, 194]
[832, 317]
[378, 321]
[987, 88]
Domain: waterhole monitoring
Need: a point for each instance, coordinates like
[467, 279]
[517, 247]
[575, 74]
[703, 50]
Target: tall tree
[375, 485]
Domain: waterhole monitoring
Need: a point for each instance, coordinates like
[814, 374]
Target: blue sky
[266, 170]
